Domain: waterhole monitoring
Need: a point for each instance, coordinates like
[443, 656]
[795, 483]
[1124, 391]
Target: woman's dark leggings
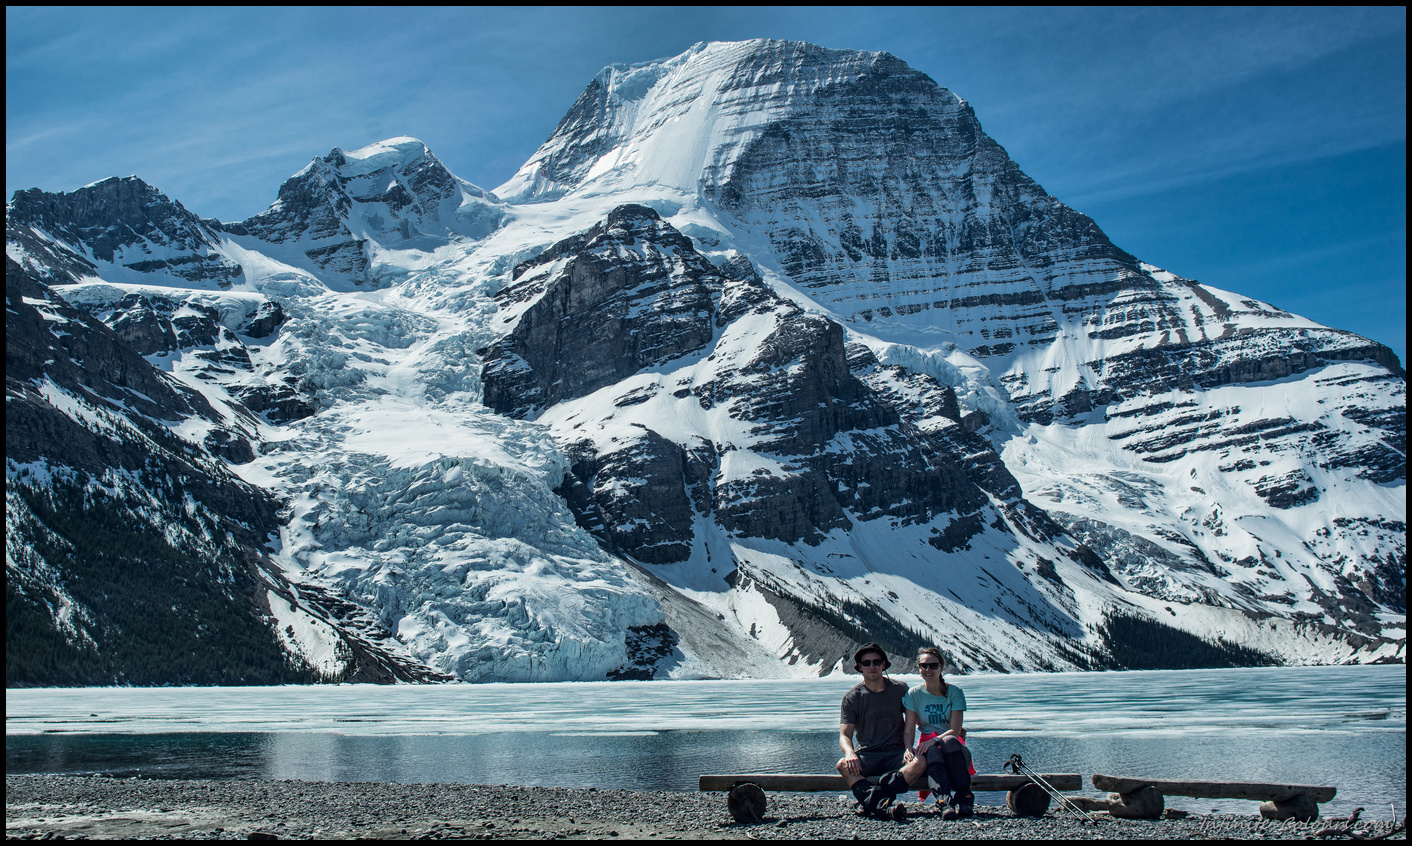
[948, 768]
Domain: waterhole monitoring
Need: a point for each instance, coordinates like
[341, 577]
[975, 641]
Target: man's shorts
[875, 762]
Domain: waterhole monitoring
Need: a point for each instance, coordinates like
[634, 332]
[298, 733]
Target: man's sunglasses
[873, 662]
[928, 666]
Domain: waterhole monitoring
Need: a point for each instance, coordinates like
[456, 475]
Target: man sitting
[872, 713]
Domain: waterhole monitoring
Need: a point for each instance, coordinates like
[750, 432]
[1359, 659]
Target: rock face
[633, 295]
[123, 222]
[86, 360]
[884, 199]
[767, 351]
[630, 293]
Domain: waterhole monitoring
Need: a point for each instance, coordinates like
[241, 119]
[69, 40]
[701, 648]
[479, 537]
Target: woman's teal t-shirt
[934, 712]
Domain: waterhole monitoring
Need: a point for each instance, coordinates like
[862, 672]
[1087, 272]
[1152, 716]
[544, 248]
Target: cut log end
[1027, 800]
[746, 802]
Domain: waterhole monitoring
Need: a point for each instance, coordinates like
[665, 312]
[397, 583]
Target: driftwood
[1142, 798]
[1145, 803]
[1216, 789]
[1346, 830]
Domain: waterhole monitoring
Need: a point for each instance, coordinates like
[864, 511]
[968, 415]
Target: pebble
[73, 806]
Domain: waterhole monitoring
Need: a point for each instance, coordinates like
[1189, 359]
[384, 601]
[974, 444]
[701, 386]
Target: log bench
[1142, 798]
[746, 793]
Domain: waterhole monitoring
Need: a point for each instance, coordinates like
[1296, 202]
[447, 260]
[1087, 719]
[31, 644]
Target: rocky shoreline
[93, 807]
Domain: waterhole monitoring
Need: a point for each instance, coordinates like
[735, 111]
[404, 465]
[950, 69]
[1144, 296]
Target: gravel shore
[91, 807]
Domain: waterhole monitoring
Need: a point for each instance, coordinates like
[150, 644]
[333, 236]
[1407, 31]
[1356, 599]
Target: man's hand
[849, 764]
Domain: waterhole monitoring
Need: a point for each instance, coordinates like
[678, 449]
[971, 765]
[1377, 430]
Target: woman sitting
[937, 709]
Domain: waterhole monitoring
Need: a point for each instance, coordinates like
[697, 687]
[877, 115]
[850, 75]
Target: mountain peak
[394, 192]
[390, 153]
[682, 122]
[403, 154]
[121, 220]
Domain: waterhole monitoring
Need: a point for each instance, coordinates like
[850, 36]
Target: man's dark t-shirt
[876, 717]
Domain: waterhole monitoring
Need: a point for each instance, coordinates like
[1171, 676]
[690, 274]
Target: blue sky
[1259, 150]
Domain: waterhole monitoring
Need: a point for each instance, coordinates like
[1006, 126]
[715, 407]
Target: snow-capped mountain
[767, 350]
[338, 216]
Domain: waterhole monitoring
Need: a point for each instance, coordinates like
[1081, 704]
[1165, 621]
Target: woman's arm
[956, 730]
[909, 734]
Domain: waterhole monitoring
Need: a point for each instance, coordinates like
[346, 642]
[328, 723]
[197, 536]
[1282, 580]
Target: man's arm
[850, 762]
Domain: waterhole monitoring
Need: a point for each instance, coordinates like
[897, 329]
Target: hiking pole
[1017, 766]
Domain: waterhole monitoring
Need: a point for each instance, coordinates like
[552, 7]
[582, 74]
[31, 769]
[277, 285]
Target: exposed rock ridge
[118, 221]
[631, 292]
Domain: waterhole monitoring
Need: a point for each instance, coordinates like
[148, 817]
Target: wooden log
[1145, 803]
[1215, 789]
[777, 781]
[834, 783]
[1027, 800]
[1301, 807]
[746, 802]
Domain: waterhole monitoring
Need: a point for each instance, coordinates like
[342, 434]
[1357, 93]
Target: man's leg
[894, 779]
[896, 782]
[914, 770]
[849, 778]
[863, 790]
[899, 781]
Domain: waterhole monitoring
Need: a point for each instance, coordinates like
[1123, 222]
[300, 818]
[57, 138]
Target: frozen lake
[1345, 726]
